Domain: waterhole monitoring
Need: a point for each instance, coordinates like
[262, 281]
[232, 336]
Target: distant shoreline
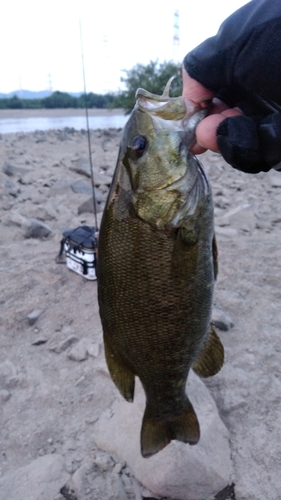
[51, 113]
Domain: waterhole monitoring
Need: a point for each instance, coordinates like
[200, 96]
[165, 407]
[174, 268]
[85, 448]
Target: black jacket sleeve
[244, 57]
[241, 64]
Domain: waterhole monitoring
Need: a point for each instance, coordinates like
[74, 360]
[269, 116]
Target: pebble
[12, 188]
[40, 341]
[117, 468]
[93, 349]
[88, 206]
[79, 351]
[13, 170]
[14, 219]
[34, 315]
[275, 179]
[221, 319]
[104, 462]
[114, 487]
[34, 228]
[4, 396]
[81, 187]
[64, 344]
[82, 349]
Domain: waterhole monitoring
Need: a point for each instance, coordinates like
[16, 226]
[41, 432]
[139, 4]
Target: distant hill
[30, 94]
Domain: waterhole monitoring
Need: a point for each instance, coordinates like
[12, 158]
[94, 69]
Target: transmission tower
[176, 36]
[106, 64]
[50, 85]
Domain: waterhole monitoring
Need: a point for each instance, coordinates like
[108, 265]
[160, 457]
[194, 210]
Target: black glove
[249, 143]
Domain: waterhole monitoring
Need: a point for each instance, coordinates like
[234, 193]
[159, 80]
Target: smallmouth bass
[157, 267]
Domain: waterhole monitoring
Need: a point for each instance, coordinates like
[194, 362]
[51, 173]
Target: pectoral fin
[121, 375]
[211, 357]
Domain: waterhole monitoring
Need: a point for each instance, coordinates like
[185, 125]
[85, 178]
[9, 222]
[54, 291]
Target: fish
[157, 266]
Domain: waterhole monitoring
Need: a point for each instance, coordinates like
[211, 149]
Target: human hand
[206, 137]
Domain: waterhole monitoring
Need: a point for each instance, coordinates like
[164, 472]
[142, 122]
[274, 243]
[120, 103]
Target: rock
[81, 187]
[88, 206]
[9, 376]
[274, 178]
[114, 488]
[179, 469]
[4, 395]
[12, 170]
[93, 349]
[81, 350]
[41, 479]
[104, 462]
[221, 319]
[40, 341]
[60, 187]
[33, 316]
[78, 352]
[14, 219]
[12, 188]
[264, 224]
[69, 491]
[76, 484]
[43, 213]
[64, 344]
[82, 167]
[34, 228]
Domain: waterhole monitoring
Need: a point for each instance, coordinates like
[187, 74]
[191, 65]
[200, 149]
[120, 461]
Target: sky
[40, 42]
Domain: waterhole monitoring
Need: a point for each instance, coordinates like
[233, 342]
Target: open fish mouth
[171, 112]
[163, 106]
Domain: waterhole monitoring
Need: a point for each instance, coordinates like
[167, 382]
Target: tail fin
[158, 432]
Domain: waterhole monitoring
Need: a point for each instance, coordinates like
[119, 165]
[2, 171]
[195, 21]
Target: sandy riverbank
[54, 383]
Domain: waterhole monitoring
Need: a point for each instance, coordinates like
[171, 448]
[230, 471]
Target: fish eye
[139, 143]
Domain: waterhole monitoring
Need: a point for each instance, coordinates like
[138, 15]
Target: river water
[12, 125]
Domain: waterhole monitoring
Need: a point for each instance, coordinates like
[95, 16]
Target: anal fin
[211, 357]
[157, 432]
[121, 375]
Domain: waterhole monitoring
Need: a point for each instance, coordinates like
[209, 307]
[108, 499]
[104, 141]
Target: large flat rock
[42, 479]
[179, 471]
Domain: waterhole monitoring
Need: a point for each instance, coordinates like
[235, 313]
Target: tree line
[152, 77]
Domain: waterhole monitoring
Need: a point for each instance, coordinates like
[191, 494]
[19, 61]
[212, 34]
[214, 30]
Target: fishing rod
[88, 131]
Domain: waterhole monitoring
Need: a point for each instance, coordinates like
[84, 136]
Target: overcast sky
[40, 40]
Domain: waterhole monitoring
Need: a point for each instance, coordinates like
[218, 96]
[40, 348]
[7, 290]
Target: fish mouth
[163, 106]
[174, 113]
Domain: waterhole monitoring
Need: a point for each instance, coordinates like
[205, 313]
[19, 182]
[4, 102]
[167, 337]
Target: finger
[219, 107]
[197, 149]
[231, 112]
[206, 132]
